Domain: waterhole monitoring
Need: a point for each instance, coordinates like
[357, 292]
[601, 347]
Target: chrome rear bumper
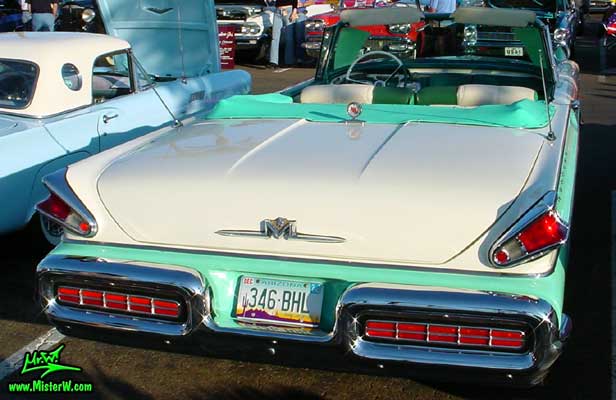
[357, 303]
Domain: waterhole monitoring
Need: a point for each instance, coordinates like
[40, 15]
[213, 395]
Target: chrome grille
[497, 36]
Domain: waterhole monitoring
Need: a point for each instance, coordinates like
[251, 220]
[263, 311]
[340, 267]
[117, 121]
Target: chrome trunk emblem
[281, 228]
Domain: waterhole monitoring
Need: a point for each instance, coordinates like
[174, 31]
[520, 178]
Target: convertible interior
[448, 65]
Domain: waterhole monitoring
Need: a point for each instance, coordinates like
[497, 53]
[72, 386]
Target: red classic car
[397, 38]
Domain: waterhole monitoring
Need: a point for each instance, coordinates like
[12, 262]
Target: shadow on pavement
[21, 253]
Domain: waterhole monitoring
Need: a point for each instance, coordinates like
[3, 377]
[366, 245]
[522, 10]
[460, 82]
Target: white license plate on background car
[514, 51]
[279, 301]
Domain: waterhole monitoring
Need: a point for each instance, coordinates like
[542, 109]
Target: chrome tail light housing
[539, 230]
[64, 207]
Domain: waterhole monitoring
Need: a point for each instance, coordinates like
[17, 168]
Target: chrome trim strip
[56, 182]
[495, 272]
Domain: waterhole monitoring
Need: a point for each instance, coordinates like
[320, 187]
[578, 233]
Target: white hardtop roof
[50, 51]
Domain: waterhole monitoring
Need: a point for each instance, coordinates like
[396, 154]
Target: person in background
[285, 13]
[26, 17]
[442, 6]
[300, 30]
[43, 14]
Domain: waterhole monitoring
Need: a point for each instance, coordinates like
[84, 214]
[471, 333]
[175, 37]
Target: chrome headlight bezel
[315, 25]
[401, 29]
[250, 29]
[88, 15]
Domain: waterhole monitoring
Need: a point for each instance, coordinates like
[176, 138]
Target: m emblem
[281, 228]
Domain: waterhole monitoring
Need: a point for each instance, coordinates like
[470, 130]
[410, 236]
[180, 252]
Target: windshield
[537, 5]
[444, 44]
[17, 82]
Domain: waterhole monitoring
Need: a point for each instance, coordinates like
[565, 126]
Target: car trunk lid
[413, 193]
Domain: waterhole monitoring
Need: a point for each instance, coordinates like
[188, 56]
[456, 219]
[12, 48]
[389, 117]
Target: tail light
[63, 206]
[541, 229]
[445, 334]
[611, 28]
[114, 301]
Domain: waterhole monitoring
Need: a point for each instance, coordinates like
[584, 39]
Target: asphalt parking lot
[253, 371]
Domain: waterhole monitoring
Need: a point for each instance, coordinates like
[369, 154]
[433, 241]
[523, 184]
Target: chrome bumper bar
[355, 304]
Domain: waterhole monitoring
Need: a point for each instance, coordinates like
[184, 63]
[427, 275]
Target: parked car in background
[564, 19]
[252, 20]
[410, 210]
[10, 16]
[65, 96]
[399, 37]
[79, 16]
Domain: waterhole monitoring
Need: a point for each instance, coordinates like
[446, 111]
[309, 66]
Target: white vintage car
[412, 209]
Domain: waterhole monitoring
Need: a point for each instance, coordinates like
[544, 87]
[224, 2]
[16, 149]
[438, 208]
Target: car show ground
[265, 370]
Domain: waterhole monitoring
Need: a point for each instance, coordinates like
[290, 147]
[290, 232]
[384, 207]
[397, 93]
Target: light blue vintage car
[66, 96]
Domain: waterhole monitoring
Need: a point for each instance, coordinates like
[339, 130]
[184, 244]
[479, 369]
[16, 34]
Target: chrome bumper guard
[357, 303]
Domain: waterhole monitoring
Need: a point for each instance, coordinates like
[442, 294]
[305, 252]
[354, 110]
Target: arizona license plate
[514, 51]
[279, 302]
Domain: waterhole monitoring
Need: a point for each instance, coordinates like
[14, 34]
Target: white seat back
[334, 94]
[478, 95]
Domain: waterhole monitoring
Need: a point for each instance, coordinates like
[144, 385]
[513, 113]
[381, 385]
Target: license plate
[514, 51]
[279, 302]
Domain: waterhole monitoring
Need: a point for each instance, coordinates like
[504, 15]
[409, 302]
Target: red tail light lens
[381, 329]
[118, 302]
[58, 210]
[542, 233]
[450, 335]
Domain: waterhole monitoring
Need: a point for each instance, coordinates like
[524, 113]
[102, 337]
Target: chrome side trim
[126, 275]
[56, 182]
[368, 300]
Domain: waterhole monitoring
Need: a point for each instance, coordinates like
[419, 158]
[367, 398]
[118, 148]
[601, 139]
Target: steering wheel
[376, 83]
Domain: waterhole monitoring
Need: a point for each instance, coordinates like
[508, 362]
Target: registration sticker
[514, 51]
[279, 302]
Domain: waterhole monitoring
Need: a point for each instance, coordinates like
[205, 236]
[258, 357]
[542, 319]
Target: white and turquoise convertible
[410, 206]
[66, 96]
